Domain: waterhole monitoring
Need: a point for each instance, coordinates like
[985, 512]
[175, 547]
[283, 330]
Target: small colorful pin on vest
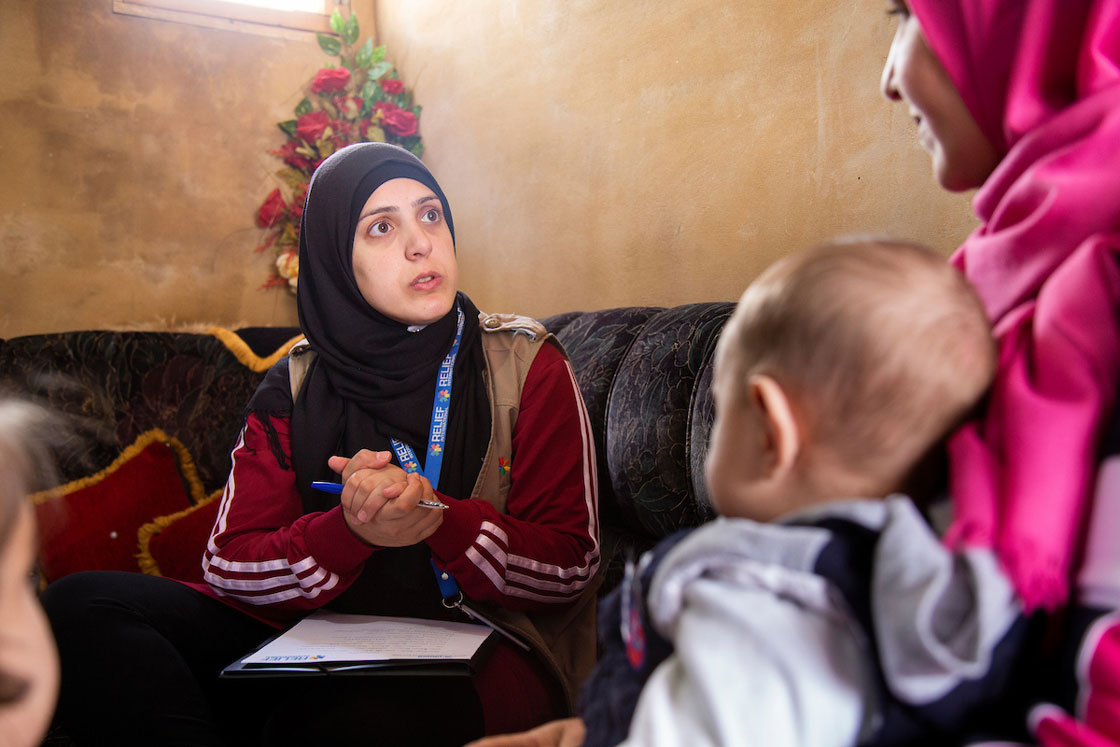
[630, 625]
[503, 466]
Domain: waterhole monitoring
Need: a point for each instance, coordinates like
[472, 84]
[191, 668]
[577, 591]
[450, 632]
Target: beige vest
[564, 639]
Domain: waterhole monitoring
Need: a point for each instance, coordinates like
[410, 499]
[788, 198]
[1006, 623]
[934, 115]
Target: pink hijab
[1042, 79]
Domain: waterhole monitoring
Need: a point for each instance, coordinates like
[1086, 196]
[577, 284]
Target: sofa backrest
[645, 374]
[113, 386]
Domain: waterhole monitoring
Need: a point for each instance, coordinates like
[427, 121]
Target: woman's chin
[953, 180]
[959, 169]
[426, 313]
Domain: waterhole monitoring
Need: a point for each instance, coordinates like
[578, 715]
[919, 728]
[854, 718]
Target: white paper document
[327, 636]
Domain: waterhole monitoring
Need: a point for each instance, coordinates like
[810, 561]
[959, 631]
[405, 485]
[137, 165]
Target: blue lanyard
[437, 434]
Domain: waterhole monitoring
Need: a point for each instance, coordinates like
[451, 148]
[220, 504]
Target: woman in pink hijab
[1021, 98]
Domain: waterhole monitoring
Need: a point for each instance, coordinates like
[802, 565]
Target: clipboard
[329, 643]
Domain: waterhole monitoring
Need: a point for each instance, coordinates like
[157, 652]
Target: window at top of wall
[307, 6]
[286, 18]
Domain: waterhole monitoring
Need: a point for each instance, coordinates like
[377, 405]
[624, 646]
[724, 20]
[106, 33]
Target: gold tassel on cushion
[186, 468]
[144, 536]
[244, 353]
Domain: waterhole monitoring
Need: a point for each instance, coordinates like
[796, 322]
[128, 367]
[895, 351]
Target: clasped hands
[379, 500]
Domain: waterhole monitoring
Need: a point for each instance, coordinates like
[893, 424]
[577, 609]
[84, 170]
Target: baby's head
[28, 662]
[839, 370]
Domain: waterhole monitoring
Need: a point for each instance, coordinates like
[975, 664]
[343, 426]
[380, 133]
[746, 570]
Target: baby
[820, 609]
[28, 661]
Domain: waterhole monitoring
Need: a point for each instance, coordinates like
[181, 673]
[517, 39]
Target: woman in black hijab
[411, 398]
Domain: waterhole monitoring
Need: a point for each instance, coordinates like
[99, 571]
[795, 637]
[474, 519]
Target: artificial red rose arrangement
[360, 100]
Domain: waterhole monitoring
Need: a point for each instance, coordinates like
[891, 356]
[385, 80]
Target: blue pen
[336, 488]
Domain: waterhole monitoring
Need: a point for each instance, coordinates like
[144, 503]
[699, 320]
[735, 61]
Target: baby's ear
[783, 434]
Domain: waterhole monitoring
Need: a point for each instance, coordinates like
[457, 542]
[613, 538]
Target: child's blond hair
[26, 461]
[882, 345]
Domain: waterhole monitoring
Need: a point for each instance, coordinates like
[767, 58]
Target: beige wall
[596, 153]
[134, 157]
[600, 153]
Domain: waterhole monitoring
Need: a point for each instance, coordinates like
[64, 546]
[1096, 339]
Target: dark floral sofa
[645, 374]
[152, 417]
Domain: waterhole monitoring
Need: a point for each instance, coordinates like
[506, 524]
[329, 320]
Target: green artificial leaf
[346, 63]
[330, 108]
[289, 237]
[288, 126]
[349, 31]
[338, 23]
[364, 56]
[369, 92]
[375, 135]
[304, 107]
[417, 148]
[294, 178]
[329, 44]
[378, 54]
[379, 68]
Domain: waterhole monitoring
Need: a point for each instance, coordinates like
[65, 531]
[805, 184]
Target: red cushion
[172, 545]
[91, 524]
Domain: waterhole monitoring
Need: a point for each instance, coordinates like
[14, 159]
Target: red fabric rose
[343, 129]
[396, 120]
[330, 79]
[401, 123]
[384, 107]
[291, 157]
[391, 86]
[311, 126]
[272, 211]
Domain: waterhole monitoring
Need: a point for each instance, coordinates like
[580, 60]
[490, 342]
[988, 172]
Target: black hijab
[372, 379]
